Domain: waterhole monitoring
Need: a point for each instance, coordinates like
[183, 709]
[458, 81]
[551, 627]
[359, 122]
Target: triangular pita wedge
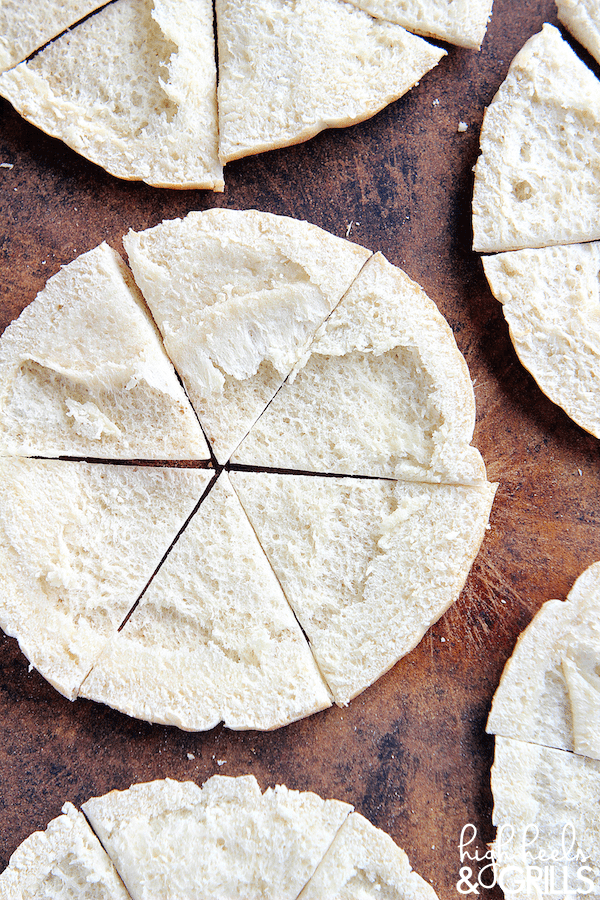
[238, 297]
[222, 841]
[290, 68]
[367, 565]
[364, 862]
[463, 22]
[551, 301]
[133, 89]
[65, 861]
[549, 692]
[83, 372]
[382, 391]
[536, 181]
[213, 639]
[582, 18]
[24, 27]
[547, 805]
[79, 543]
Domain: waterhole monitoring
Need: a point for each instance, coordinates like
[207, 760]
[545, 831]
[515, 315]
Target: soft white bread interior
[547, 802]
[225, 841]
[79, 543]
[238, 297]
[367, 565]
[383, 390]
[582, 18]
[64, 862]
[551, 300]
[364, 862]
[549, 692]
[290, 68]
[462, 22]
[83, 372]
[213, 639]
[24, 28]
[537, 181]
[133, 89]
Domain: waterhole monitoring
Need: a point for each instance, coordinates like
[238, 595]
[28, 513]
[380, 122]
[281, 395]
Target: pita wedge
[23, 28]
[213, 639]
[290, 68]
[547, 811]
[550, 688]
[65, 862]
[224, 841]
[364, 862]
[367, 565]
[79, 543]
[537, 181]
[83, 372]
[551, 301]
[383, 390]
[463, 23]
[582, 18]
[238, 297]
[133, 89]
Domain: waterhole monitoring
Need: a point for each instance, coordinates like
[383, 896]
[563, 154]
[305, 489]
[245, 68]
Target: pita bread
[66, 862]
[366, 565]
[364, 862]
[83, 373]
[537, 180]
[463, 23]
[334, 66]
[23, 29]
[79, 544]
[582, 18]
[133, 89]
[238, 297]
[213, 638]
[224, 841]
[550, 689]
[548, 801]
[551, 301]
[383, 390]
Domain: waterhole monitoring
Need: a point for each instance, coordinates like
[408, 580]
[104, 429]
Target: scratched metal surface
[410, 753]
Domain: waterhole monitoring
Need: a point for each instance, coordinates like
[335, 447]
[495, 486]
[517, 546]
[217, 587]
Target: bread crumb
[190, 756]
[350, 226]
[462, 126]
[443, 640]
[436, 102]
[7, 166]
[221, 762]
[580, 472]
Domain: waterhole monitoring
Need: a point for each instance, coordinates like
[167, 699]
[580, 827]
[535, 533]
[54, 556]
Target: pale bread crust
[80, 542]
[23, 30]
[223, 841]
[321, 83]
[582, 18]
[549, 693]
[83, 372]
[213, 638]
[383, 390]
[463, 23]
[551, 300]
[64, 862]
[364, 862]
[155, 122]
[290, 276]
[538, 787]
[532, 190]
[367, 566]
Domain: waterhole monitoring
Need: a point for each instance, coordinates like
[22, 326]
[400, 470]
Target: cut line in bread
[537, 180]
[83, 373]
[320, 82]
[549, 692]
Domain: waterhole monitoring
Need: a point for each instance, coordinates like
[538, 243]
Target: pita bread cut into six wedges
[23, 30]
[133, 89]
[319, 82]
[83, 372]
